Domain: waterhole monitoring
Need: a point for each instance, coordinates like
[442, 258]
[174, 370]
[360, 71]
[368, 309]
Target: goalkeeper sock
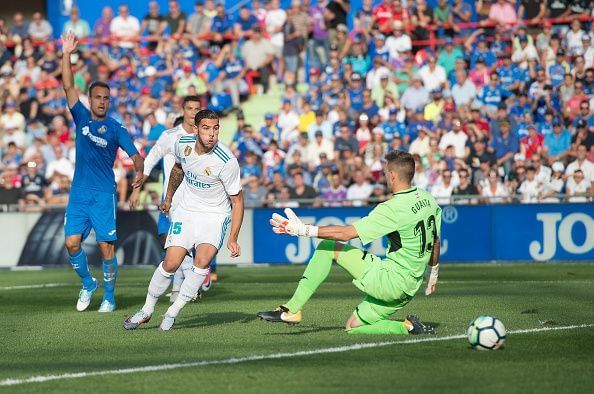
[81, 267]
[194, 279]
[110, 274]
[159, 283]
[381, 327]
[316, 272]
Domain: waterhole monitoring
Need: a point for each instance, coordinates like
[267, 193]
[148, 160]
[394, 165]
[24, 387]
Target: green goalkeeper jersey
[411, 220]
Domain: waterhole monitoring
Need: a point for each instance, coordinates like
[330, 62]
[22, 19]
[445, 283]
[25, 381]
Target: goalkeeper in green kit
[411, 221]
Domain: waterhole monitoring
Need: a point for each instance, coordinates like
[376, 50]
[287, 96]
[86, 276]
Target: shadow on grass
[291, 330]
[214, 319]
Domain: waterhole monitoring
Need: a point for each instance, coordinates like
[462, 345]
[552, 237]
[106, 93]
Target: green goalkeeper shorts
[379, 280]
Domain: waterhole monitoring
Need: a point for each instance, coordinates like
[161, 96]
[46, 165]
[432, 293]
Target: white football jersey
[164, 149]
[209, 179]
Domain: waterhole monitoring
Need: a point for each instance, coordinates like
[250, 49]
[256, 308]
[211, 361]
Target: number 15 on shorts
[175, 228]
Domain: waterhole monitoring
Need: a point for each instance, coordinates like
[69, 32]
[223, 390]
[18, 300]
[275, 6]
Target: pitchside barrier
[470, 233]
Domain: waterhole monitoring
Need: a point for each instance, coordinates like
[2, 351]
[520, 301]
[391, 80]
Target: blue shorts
[91, 209]
[163, 224]
[292, 63]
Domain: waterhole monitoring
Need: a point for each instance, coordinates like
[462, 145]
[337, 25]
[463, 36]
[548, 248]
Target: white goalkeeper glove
[292, 225]
[433, 276]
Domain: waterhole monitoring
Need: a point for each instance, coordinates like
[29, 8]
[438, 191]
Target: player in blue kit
[92, 202]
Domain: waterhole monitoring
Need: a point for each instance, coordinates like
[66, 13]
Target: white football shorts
[190, 229]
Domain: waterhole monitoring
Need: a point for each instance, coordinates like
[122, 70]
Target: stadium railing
[471, 199]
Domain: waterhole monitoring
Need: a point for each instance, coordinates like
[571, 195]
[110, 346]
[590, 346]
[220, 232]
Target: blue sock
[79, 263]
[213, 264]
[110, 273]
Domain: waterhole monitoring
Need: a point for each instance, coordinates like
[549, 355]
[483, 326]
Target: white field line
[275, 356]
[39, 286]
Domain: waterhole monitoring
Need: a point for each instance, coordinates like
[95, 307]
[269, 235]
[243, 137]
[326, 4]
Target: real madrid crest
[188, 150]
[207, 171]
[102, 129]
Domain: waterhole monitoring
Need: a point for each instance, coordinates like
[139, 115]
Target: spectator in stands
[360, 190]
[443, 188]
[578, 187]
[79, 26]
[530, 189]
[554, 186]
[399, 43]
[175, 20]
[153, 24]
[125, 28]
[416, 96]
[531, 144]
[581, 163]
[255, 193]
[102, 27]
[336, 194]
[465, 188]
[494, 191]
[503, 13]
[20, 27]
[432, 74]
[464, 91]
[39, 28]
[455, 138]
[302, 191]
[198, 25]
[504, 145]
[33, 188]
[59, 166]
[258, 54]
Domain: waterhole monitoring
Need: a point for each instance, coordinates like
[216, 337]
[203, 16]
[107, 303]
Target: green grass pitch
[41, 334]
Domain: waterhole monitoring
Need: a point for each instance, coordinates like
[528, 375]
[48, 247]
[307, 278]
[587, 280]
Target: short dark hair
[402, 163]
[205, 114]
[179, 120]
[97, 84]
[188, 99]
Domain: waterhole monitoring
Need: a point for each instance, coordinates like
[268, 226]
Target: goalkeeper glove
[292, 225]
[433, 276]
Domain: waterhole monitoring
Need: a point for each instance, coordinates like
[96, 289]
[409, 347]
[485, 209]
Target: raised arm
[69, 43]
[175, 179]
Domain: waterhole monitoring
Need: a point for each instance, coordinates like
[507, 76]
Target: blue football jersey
[97, 142]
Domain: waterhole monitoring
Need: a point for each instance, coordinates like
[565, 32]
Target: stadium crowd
[494, 98]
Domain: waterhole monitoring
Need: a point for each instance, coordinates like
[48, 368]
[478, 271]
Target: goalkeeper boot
[167, 323]
[134, 321]
[281, 314]
[417, 326]
[85, 295]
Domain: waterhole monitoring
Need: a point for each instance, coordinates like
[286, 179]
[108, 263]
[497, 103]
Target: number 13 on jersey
[421, 232]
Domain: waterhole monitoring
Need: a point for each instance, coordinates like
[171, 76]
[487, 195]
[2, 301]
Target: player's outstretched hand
[165, 206]
[292, 225]
[69, 42]
[234, 248]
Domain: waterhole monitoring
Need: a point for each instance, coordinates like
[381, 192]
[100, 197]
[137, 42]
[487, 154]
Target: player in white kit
[163, 149]
[210, 201]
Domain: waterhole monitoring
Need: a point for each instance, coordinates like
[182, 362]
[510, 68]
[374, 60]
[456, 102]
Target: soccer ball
[486, 333]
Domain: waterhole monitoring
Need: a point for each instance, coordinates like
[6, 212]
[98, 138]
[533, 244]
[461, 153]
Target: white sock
[159, 283]
[194, 279]
[180, 274]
